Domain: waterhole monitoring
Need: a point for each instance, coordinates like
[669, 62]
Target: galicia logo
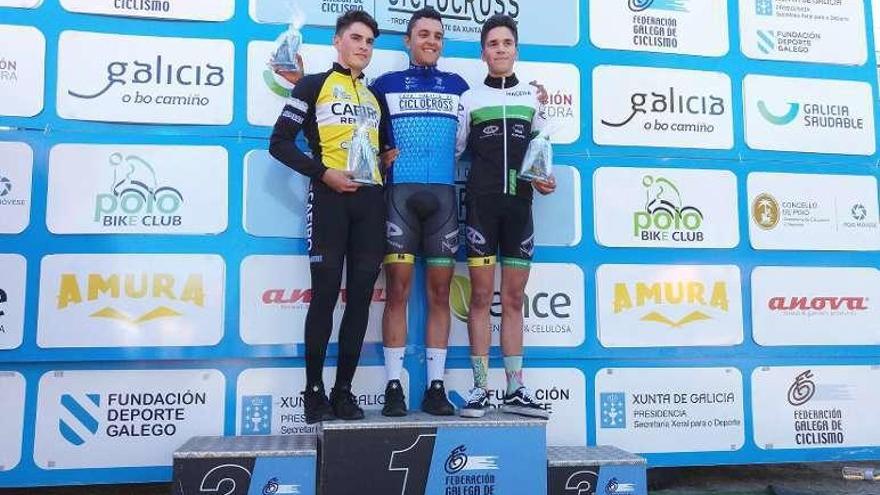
[787, 118]
[765, 211]
[672, 294]
[802, 390]
[136, 198]
[79, 418]
[673, 5]
[671, 102]
[666, 216]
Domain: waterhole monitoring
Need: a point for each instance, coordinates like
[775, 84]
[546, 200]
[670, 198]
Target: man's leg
[513, 284]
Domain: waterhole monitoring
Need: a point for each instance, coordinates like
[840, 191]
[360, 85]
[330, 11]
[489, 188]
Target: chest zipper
[504, 132]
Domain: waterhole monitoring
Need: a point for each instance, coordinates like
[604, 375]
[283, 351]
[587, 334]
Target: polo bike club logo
[665, 214]
[784, 119]
[671, 294]
[77, 420]
[765, 211]
[802, 390]
[640, 5]
[136, 197]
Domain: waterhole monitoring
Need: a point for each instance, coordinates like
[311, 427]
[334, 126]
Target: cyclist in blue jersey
[422, 207]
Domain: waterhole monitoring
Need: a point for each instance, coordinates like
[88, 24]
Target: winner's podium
[421, 454]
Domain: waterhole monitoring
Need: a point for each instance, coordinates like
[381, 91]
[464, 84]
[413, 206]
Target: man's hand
[291, 76]
[545, 187]
[388, 157]
[543, 96]
[340, 181]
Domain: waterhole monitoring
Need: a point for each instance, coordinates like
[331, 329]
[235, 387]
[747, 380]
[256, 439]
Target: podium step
[421, 454]
[250, 465]
[599, 470]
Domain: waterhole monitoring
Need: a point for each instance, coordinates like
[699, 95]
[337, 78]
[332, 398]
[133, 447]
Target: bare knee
[512, 301]
[481, 297]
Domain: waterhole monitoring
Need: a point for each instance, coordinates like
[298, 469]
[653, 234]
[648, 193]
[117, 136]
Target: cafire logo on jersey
[657, 297]
[135, 196]
[158, 80]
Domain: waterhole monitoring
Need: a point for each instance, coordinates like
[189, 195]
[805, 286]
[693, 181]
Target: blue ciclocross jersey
[423, 105]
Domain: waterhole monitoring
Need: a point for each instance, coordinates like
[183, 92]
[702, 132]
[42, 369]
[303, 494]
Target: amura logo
[79, 418]
[671, 294]
[784, 119]
[123, 287]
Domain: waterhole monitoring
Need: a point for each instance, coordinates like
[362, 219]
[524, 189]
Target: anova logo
[673, 5]
[539, 305]
[297, 298]
[122, 288]
[666, 216]
[670, 294]
[811, 305]
[136, 197]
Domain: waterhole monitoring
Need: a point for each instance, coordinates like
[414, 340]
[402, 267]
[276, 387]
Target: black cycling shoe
[395, 402]
[344, 404]
[435, 402]
[316, 405]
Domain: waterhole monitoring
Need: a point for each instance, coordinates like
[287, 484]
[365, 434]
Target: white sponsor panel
[658, 410]
[804, 31]
[124, 418]
[559, 218]
[12, 385]
[16, 171]
[815, 407]
[145, 79]
[194, 10]
[561, 391]
[323, 13]
[669, 305]
[13, 290]
[813, 212]
[131, 300]
[141, 189]
[553, 310]
[275, 297]
[269, 400]
[815, 306]
[22, 70]
[809, 115]
[691, 27]
[561, 81]
[674, 108]
[24, 4]
[665, 208]
[267, 92]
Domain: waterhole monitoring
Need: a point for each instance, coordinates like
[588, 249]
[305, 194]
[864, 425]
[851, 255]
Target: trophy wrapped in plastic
[287, 45]
[363, 159]
[538, 162]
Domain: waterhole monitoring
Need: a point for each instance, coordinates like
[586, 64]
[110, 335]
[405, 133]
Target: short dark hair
[496, 21]
[353, 16]
[422, 13]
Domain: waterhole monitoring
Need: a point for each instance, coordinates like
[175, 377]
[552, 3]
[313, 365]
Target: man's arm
[299, 108]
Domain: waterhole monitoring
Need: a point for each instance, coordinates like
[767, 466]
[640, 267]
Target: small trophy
[538, 162]
[287, 45]
[363, 158]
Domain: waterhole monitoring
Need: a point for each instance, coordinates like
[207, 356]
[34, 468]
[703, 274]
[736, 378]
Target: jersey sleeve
[298, 110]
[386, 131]
[464, 125]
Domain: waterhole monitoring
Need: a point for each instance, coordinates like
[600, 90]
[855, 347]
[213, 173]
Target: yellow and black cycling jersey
[327, 107]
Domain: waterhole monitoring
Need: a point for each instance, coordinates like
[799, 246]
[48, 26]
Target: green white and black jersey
[497, 120]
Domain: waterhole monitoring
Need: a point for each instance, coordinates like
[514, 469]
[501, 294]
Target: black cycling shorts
[500, 222]
[422, 218]
[345, 227]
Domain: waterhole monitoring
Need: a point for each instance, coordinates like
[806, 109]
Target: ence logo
[765, 211]
[135, 197]
[675, 5]
[787, 118]
[665, 215]
[460, 297]
[131, 287]
[671, 294]
[539, 305]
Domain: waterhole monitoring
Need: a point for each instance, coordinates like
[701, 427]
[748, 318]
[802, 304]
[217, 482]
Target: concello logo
[666, 216]
[629, 297]
[121, 288]
[136, 197]
[765, 211]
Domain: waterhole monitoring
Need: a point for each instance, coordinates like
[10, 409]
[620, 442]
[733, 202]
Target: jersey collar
[342, 70]
[501, 82]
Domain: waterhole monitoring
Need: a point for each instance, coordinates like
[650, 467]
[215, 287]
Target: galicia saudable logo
[79, 418]
[802, 390]
[766, 211]
[785, 119]
[674, 5]
[136, 198]
[816, 115]
[666, 216]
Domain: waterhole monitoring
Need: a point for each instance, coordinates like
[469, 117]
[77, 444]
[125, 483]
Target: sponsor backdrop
[708, 268]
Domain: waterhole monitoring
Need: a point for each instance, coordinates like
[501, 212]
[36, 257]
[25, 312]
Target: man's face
[499, 51]
[355, 46]
[426, 41]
